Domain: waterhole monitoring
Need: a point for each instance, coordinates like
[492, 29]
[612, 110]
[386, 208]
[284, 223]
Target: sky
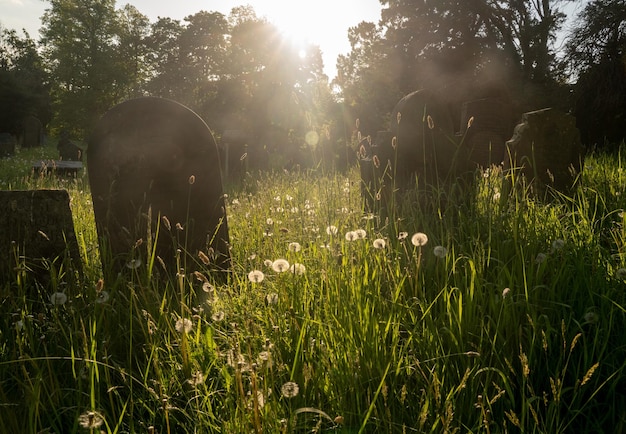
[320, 22]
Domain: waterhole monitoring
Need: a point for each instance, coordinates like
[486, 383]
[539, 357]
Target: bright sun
[302, 22]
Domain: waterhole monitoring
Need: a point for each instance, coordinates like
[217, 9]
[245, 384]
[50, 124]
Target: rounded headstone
[155, 180]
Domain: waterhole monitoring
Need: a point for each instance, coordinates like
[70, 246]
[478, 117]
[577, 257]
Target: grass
[510, 318]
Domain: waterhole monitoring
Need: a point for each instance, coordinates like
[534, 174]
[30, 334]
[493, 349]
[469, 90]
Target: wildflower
[290, 389]
[280, 265]
[298, 269]
[271, 298]
[269, 221]
[268, 262]
[379, 243]
[90, 420]
[133, 264]
[541, 258]
[256, 276]
[621, 273]
[351, 236]
[184, 325]
[58, 298]
[361, 234]
[440, 251]
[419, 239]
[295, 247]
[403, 236]
[331, 230]
[505, 292]
[218, 316]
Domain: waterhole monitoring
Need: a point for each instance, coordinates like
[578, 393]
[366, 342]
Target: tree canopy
[240, 73]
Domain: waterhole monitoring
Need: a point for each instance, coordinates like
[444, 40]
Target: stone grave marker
[546, 149]
[37, 228]
[492, 124]
[425, 143]
[7, 145]
[155, 180]
[33, 132]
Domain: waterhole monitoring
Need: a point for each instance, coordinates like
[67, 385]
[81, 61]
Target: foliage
[23, 81]
[508, 316]
[453, 46]
[596, 51]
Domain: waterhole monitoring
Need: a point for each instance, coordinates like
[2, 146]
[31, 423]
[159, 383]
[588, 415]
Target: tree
[453, 44]
[23, 82]
[133, 33]
[79, 44]
[596, 53]
[164, 59]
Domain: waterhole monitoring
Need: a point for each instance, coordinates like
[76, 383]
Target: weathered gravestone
[68, 151]
[7, 145]
[492, 123]
[425, 146]
[37, 233]
[32, 132]
[234, 147]
[155, 180]
[546, 149]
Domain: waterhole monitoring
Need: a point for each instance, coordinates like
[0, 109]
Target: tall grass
[510, 318]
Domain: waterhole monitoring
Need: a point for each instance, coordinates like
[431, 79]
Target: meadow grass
[506, 315]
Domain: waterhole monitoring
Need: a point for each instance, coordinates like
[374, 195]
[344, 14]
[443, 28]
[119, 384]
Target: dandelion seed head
[280, 265]
[541, 258]
[298, 269]
[294, 247]
[218, 316]
[591, 318]
[419, 239]
[361, 234]
[90, 420]
[207, 287]
[505, 292]
[331, 230]
[256, 276]
[558, 245]
[290, 389]
[58, 298]
[351, 236]
[403, 236]
[133, 264]
[102, 297]
[184, 325]
[379, 243]
[271, 298]
[440, 251]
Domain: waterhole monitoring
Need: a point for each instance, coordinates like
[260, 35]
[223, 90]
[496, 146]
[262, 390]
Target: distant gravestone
[546, 148]
[425, 146]
[37, 230]
[491, 126]
[154, 165]
[7, 145]
[33, 132]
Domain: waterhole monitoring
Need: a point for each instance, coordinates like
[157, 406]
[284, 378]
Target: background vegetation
[238, 73]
